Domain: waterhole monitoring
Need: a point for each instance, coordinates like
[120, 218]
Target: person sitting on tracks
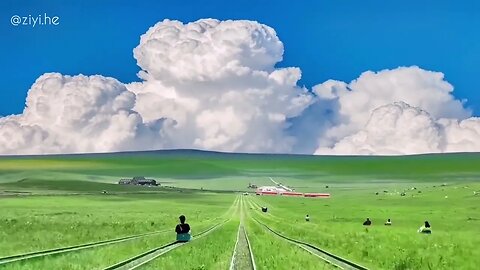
[183, 230]
[388, 222]
[425, 228]
[307, 218]
[367, 222]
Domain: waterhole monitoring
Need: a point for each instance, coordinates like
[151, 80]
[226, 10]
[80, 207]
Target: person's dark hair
[427, 225]
[182, 219]
[388, 220]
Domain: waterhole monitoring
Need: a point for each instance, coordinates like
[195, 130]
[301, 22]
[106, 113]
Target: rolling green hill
[195, 169]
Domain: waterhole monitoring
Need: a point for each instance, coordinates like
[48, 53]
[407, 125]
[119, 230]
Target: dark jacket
[182, 228]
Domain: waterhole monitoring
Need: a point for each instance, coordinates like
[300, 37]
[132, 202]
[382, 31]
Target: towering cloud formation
[213, 85]
[396, 128]
[206, 50]
[371, 122]
[65, 114]
[217, 82]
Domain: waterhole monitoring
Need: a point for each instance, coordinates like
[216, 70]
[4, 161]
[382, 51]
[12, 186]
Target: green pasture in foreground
[336, 225]
[438, 188]
[35, 223]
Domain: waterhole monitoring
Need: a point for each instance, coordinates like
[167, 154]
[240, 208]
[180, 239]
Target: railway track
[60, 250]
[150, 255]
[328, 257]
[242, 258]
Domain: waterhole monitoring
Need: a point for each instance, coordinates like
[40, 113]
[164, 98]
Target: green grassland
[336, 225]
[39, 222]
[54, 201]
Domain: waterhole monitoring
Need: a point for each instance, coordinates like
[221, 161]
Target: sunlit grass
[30, 224]
[213, 251]
[336, 225]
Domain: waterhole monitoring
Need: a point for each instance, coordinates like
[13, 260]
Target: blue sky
[326, 39]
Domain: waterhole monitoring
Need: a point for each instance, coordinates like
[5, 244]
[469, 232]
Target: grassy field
[54, 201]
[336, 225]
[39, 222]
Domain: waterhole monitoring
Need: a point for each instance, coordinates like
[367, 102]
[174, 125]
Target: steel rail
[150, 255]
[59, 250]
[242, 233]
[327, 256]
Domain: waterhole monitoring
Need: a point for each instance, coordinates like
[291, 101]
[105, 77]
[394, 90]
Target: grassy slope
[41, 172]
[207, 165]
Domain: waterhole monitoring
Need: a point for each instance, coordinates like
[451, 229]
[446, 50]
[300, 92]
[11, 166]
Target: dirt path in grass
[242, 257]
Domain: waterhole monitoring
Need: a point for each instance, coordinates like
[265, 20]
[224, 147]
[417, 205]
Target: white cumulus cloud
[74, 114]
[214, 85]
[206, 50]
[400, 129]
[357, 100]
[392, 129]
[461, 136]
[218, 82]
[406, 110]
